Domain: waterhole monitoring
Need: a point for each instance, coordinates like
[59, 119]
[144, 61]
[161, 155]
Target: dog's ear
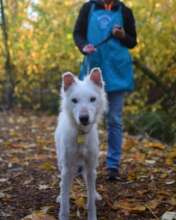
[68, 79]
[96, 76]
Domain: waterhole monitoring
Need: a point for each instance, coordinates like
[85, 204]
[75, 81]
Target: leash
[96, 46]
[103, 41]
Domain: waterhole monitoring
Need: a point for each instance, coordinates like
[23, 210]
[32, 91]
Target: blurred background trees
[41, 48]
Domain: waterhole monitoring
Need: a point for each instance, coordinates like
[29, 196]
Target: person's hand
[118, 32]
[89, 48]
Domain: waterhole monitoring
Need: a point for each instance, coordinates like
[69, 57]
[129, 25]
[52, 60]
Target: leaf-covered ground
[29, 180]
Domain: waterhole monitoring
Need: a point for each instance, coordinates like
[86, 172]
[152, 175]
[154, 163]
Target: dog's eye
[74, 100]
[92, 99]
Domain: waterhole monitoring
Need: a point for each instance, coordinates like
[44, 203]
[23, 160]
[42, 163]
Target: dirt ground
[29, 179]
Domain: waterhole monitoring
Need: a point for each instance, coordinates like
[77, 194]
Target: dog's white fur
[79, 99]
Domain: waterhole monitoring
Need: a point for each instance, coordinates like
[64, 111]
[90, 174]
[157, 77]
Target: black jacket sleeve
[80, 29]
[130, 40]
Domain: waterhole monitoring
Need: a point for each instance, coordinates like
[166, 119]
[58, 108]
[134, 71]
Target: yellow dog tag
[81, 138]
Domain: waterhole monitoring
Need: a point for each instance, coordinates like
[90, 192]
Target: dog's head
[84, 101]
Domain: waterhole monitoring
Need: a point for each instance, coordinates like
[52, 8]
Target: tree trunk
[9, 81]
[165, 92]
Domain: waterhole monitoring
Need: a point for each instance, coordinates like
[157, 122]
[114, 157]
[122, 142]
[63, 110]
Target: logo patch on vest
[104, 21]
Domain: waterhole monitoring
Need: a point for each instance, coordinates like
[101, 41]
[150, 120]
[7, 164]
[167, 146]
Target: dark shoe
[113, 175]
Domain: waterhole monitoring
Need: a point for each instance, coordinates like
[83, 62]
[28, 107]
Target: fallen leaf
[171, 156]
[138, 157]
[151, 162]
[170, 182]
[80, 202]
[5, 196]
[132, 175]
[28, 181]
[78, 213]
[2, 195]
[164, 175]
[3, 180]
[153, 204]
[4, 214]
[48, 166]
[172, 201]
[38, 216]
[43, 187]
[155, 145]
[169, 216]
[163, 193]
[129, 142]
[45, 209]
[130, 206]
[1, 141]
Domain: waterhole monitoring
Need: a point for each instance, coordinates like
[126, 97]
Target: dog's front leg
[66, 179]
[90, 181]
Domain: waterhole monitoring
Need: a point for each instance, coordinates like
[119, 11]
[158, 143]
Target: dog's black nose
[84, 119]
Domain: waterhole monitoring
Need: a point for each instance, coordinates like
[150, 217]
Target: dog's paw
[58, 199]
[98, 196]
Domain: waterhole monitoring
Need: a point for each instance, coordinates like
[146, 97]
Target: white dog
[83, 102]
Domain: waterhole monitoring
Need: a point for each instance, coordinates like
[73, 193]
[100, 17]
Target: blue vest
[112, 57]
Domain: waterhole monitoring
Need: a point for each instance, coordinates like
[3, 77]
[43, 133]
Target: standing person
[104, 31]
